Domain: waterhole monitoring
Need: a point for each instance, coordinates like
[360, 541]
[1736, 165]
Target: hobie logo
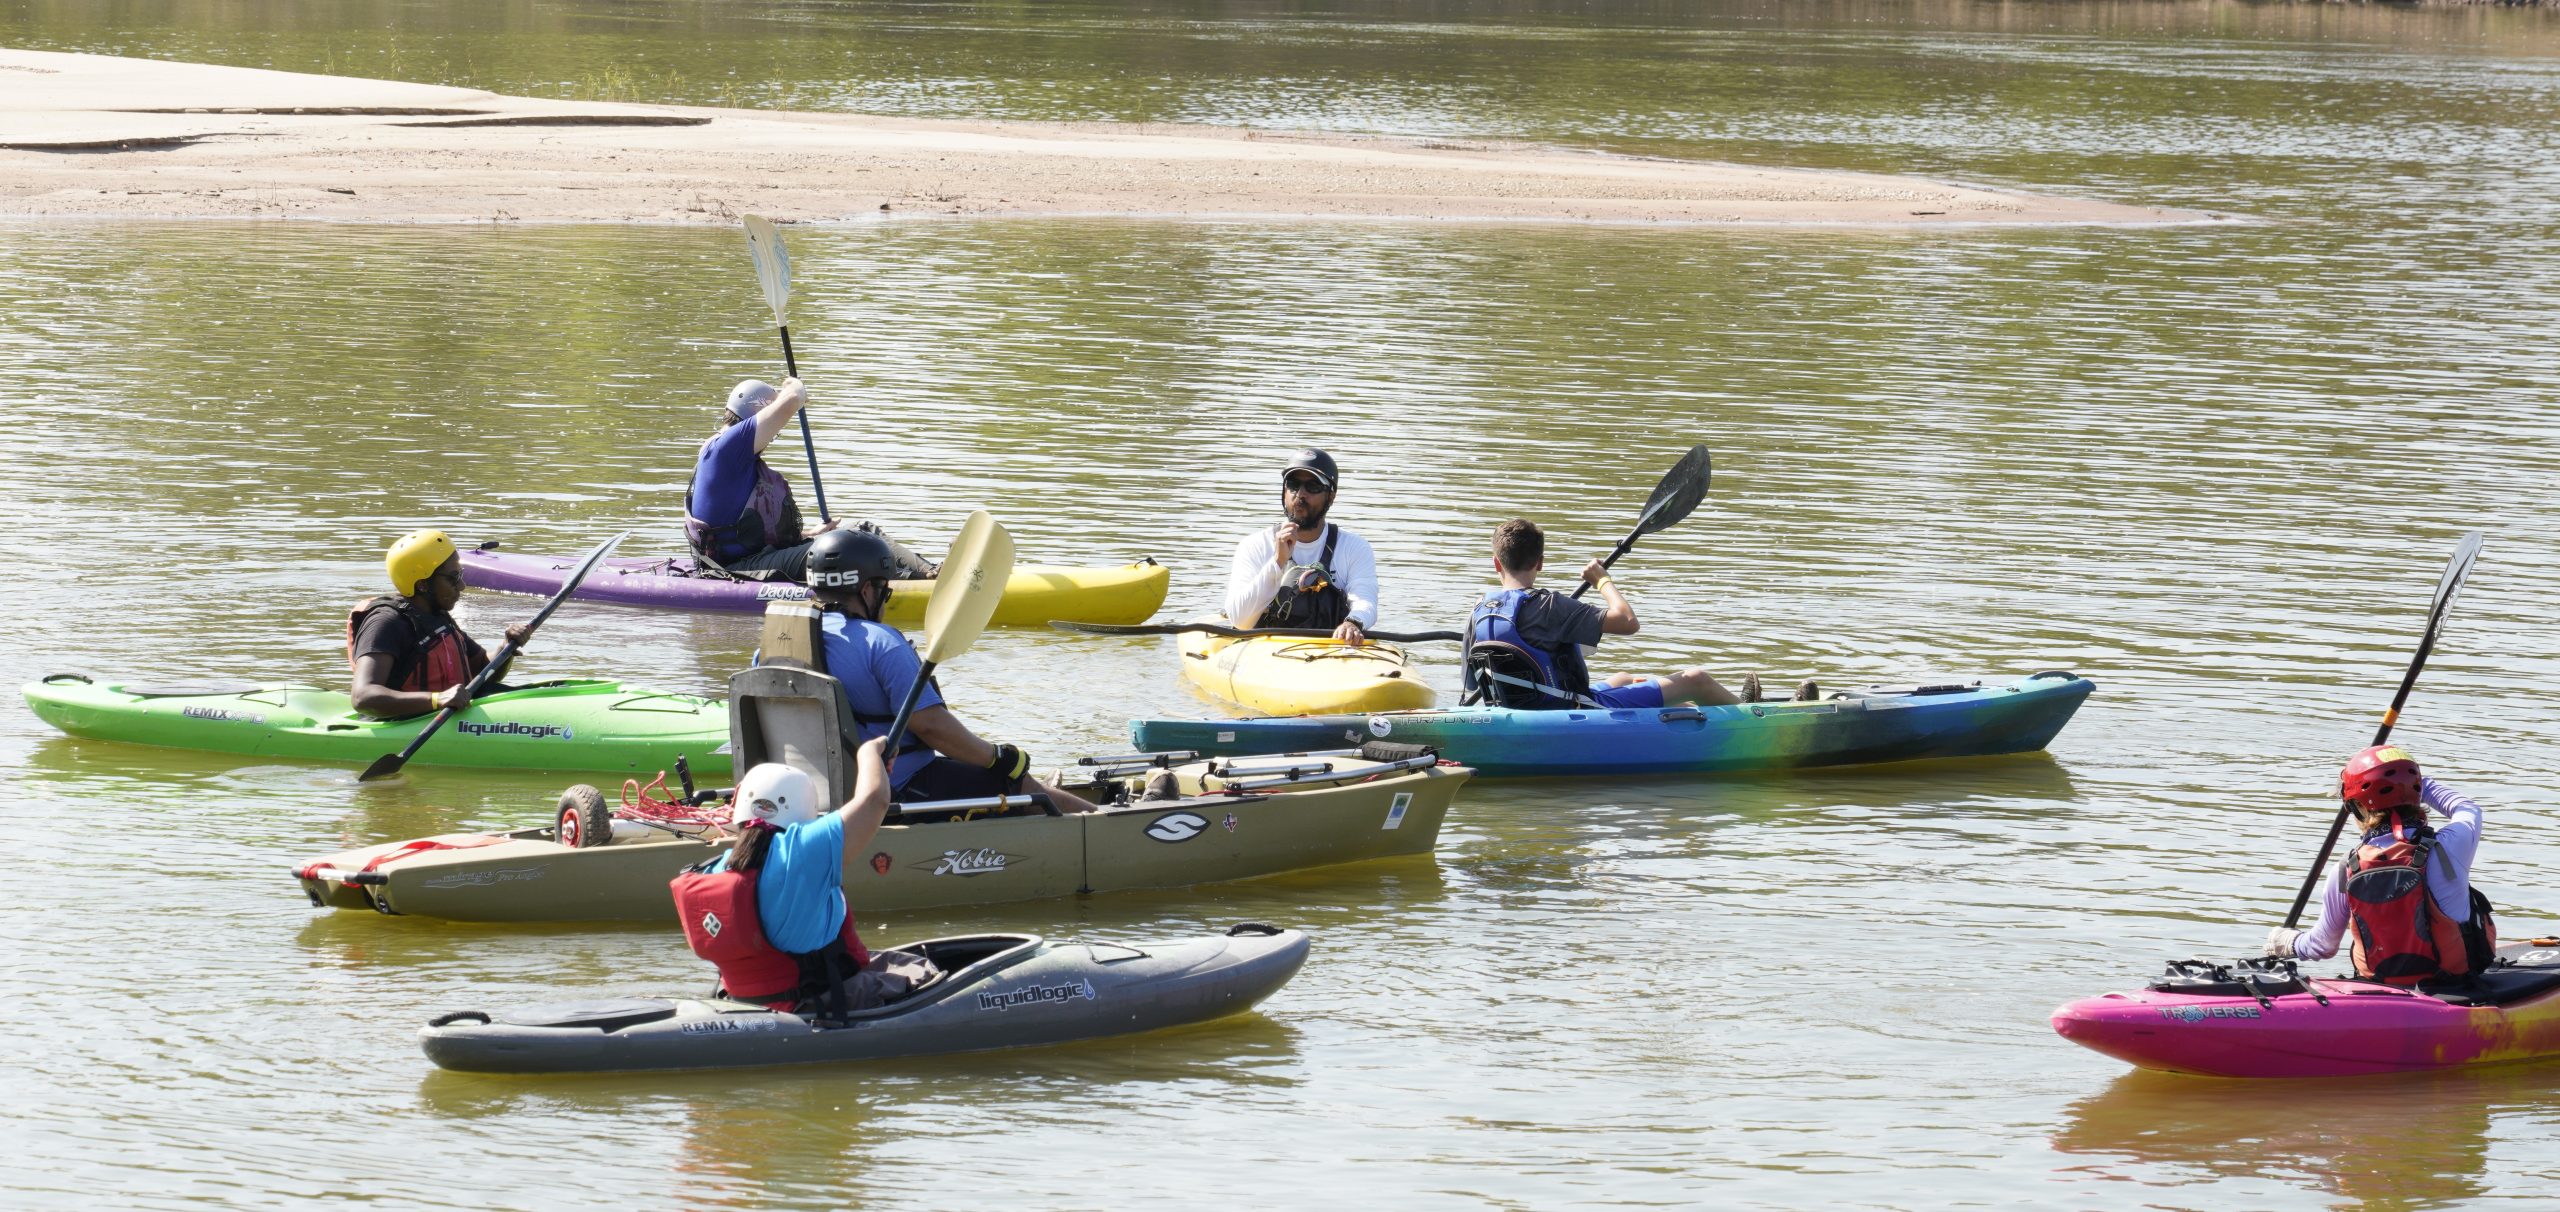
[981, 861]
[1177, 826]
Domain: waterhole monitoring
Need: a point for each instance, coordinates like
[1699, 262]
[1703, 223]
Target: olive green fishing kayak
[570, 726]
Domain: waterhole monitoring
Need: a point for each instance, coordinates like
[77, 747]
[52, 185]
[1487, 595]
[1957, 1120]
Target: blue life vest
[1495, 620]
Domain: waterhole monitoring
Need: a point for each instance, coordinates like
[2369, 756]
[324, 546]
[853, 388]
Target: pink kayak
[1034, 595]
[2262, 1019]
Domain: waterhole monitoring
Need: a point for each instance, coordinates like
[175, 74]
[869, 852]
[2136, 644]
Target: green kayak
[568, 726]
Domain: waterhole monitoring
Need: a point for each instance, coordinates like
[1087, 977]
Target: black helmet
[847, 558]
[1318, 462]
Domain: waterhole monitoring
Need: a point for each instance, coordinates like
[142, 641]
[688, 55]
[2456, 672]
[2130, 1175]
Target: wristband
[1009, 762]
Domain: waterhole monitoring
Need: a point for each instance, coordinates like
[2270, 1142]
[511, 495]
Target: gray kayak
[997, 991]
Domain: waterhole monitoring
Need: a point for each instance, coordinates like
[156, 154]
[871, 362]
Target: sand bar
[101, 136]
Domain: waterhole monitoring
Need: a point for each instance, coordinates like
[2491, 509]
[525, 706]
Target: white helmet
[776, 795]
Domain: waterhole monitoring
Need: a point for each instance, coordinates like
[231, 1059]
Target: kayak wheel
[584, 820]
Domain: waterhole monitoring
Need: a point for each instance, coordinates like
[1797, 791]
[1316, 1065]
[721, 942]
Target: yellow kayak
[1038, 593]
[1034, 595]
[1289, 675]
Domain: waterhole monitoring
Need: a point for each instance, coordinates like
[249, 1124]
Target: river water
[2215, 468]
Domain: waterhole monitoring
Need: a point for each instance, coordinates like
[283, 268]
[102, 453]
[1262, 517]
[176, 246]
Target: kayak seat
[2499, 985]
[1495, 670]
[796, 717]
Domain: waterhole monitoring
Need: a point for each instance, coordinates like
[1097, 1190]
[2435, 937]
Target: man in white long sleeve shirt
[1306, 571]
[2396, 936]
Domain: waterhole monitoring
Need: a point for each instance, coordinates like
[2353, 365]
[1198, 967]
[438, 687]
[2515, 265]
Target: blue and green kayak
[579, 725]
[1879, 724]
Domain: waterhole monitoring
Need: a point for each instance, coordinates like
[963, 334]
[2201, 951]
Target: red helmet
[2380, 779]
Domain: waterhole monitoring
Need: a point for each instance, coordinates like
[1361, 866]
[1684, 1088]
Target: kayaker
[2406, 886]
[770, 911]
[738, 511]
[1306, 571]
[849, 575]
[407, 654]
[1549, 630]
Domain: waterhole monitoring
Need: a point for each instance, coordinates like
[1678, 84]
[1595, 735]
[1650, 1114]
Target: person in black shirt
[407, 654]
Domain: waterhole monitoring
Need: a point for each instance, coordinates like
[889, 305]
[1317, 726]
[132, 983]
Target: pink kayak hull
[2365, 1028]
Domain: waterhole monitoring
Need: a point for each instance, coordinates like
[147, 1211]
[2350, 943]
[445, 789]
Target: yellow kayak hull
[1037, 593]
[1285, 675]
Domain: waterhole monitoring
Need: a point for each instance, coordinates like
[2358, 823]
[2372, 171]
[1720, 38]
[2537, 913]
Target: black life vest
[439, 656]
[1307, 596]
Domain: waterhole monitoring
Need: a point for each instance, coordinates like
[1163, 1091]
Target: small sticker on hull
[1395, 810]
[1177, 826]
[1380, 726]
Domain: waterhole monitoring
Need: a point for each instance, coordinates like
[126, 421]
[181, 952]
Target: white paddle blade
[970, 584]
[773, 265]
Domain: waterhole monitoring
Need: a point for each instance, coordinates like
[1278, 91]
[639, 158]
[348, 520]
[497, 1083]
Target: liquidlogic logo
[511, 728]
[981, 861]
[224, 714]
[2198, 1014]
[1037, 995]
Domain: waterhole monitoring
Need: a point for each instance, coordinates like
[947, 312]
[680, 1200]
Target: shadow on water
[2404, 1141]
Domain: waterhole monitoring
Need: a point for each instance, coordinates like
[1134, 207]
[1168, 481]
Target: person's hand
[823, 527]
[791, 389]
[2280, 941]
[451, 700]
[1284, 540]
[1594, 572]
[1349, 632]
[520, 634]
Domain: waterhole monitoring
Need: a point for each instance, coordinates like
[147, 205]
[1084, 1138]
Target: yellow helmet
[415, 558]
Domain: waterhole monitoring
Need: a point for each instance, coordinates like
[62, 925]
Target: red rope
[640, 804]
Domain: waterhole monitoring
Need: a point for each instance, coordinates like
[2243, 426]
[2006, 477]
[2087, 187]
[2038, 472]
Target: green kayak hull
[568, 726]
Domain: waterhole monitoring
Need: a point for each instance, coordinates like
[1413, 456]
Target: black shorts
[944, 779]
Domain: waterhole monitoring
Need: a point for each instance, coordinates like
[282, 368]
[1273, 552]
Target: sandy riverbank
[92, 135]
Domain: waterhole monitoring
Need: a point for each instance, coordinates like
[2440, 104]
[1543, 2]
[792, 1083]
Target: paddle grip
[1625, 545]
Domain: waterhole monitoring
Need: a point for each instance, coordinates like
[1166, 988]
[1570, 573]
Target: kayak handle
[1241, 929]
[2064, 674]
[458, 1016]
[82, 678]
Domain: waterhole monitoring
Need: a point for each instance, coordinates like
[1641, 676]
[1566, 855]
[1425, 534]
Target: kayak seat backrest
[796, 717]
[790, 637]
[1511, 661]
[959, 962]
[2498, 986]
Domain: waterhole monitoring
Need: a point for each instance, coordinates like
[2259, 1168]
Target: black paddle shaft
[2454, 572]
[817, 487]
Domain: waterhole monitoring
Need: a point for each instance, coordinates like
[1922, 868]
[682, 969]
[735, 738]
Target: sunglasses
[1305, 486]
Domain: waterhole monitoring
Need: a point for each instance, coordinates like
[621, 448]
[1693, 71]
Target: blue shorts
[1647, 693]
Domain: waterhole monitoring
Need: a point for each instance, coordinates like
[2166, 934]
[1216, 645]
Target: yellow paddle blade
[965, 593]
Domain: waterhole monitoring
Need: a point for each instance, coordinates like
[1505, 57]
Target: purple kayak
[1036, 594]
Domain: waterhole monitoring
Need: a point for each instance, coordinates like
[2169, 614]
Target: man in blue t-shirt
[738, 511]
[849, 575]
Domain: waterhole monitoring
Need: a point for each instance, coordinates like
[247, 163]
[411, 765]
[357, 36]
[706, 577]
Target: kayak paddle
[2454, 571]
[1246, 633]
[1679, 493]
[965, 594]
[390, 763]
[773, 272]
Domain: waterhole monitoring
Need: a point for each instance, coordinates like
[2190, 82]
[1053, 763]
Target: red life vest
[718, 910]
[2396, 934]
[439, 658]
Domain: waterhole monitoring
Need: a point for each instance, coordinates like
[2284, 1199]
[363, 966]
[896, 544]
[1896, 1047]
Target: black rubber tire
[584, 819]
